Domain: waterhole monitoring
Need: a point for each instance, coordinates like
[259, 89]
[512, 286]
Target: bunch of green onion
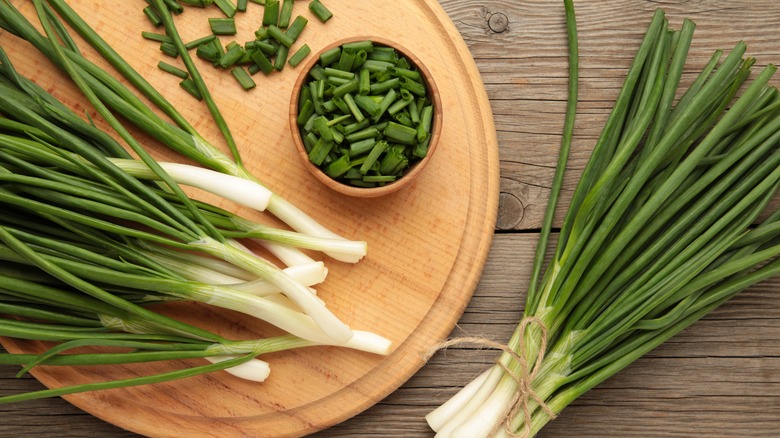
[660, 231]
[90, 237]
[181, 136]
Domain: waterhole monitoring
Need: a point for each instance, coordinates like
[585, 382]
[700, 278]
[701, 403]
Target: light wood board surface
[717, 379]
[427, 243]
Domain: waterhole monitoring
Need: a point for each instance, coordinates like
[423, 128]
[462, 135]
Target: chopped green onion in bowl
[365, 116]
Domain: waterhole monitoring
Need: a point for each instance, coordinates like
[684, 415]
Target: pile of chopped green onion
[364, 113]
[660, 231]
[90, 237]
[268, 52]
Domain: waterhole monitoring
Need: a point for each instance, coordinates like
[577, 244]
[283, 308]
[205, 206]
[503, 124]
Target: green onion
[299, 55]
[228, 7]
[296, 28]
[259, 58]
[280, 36]
[378, 103]
[320, 11]
[271, 13]
[151, 36]
[152, 16]
[659, 232]
[285, 13]
[330, 56]
[243, 78]
[176, 71]
[169, 49]
[189, 86]
[199, 41]
[76, 216]
[222, 26]
[281, 57]
[180, 136]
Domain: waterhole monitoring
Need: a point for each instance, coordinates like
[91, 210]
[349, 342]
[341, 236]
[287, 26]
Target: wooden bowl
[415, 168]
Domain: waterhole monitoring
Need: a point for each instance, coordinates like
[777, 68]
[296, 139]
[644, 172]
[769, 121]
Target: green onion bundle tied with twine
[659, 232]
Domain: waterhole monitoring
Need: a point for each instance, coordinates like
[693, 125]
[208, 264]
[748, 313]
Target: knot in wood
[498, 22]
[510, 211]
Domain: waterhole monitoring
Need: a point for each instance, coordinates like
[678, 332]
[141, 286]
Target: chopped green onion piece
[299, 55]
[424, 128]
[267, 48]
[222, 26]
[394, 161]
[364, 81]
[367, 104]
[338, 167]
[152, 36]
[379, 178]
[370, 132]
[337, 103]
[280, 36]
[241, 5]
[211, 51]
[376, 66]
[361, 147]
[320, 11]
[197, 3]
[228, 7]
[421, 150]
[405, 72]
[197, 42]
[271, 13]
[367, 46]
[189, 86]
[400, 133]
[321, 126]
[338, 73]
[176, 71]
[346, 60]
[169, 48]
[174, 6]
[349, 87]
[153, 16]
[414, 113]
[296, 28]
[233, 54]
[262, 62]
[330, 56]
[281, 57]
[377, 150]
[349, 129]
[406, 99]
[353, 108]
[385, 104]
[385, 54]
[306, 111]
[261, 33]
[243, 78]
[285, 14]
[412, 85]
[320, 151]
[382, 87]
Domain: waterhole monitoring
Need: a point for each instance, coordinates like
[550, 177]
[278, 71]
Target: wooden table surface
[721, 377]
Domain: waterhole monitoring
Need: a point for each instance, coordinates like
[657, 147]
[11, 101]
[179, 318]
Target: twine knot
[525, 393]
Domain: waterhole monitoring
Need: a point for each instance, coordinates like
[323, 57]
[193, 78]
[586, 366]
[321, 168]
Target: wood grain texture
[719, 378]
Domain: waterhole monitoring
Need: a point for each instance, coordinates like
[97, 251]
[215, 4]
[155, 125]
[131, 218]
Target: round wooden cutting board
[427, 244]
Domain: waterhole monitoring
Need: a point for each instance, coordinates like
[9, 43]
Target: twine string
[525, 393]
